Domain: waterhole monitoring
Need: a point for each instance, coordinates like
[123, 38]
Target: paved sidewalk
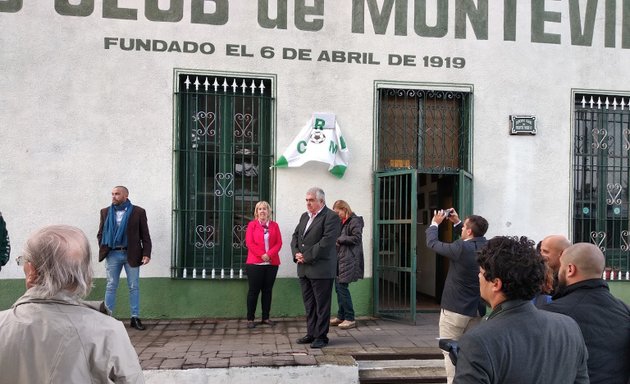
[228, 343]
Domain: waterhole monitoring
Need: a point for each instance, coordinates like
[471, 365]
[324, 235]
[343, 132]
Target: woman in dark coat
[349, 262]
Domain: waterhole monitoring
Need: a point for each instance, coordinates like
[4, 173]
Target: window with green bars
[601, 163]
[423, 129]
[222, 158]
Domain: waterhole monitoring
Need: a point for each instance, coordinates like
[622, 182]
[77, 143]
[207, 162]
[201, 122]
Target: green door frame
[394, 266]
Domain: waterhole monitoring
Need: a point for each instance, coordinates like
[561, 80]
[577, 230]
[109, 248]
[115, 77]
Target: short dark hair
[478, 225]
[515, 261]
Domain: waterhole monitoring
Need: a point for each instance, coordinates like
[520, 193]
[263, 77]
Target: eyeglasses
[20, 260]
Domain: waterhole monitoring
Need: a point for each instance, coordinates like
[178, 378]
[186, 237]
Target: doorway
[423, 150]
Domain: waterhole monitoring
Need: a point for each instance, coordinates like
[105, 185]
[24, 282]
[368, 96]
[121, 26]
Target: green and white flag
[319, 140]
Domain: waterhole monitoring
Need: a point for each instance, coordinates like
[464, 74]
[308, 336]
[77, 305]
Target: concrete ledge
[268, 375]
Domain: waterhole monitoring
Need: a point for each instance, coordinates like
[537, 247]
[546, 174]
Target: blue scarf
[116, 235]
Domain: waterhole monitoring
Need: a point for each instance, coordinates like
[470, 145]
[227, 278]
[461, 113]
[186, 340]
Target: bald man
[603, 319]
[551, 248]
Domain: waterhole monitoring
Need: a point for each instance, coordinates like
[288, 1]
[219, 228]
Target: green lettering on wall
[173, 14]
[539, 17]
[304, 12]
[84, 8]
[219, 17]
[380, 17]
[112, 11]
[265, 21]
[11, 6]
[581, 36]
[478, 17]
[420, 19]
[509, 20]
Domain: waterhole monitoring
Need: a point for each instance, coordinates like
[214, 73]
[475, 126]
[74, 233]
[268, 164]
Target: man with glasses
[50, 334]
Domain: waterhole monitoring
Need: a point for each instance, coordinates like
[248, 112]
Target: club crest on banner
[319, 140]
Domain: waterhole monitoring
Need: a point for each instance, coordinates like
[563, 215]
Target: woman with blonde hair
[349, 262]
[263, 242]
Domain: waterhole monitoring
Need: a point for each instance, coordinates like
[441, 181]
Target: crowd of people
[552, 320]
[552, 317]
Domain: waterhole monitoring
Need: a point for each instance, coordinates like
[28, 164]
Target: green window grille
[601, 164]
[424, 129]
[222, 158]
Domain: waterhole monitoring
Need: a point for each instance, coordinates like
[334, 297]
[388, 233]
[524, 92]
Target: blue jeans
[114, 263]
[346, 311]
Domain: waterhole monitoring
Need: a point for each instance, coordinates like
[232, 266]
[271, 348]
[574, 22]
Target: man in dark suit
[314, 251]
[125, 242]
[461, 306]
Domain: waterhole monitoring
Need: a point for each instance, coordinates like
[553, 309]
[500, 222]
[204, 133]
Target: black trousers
[317, 296]
[261, 279]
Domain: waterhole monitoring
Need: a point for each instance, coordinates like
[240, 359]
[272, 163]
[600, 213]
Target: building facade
[517, 111]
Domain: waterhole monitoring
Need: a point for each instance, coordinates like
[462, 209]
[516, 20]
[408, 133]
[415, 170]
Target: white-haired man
[50, 335]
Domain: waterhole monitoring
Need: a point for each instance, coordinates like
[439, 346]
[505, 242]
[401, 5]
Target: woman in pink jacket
[263, 241]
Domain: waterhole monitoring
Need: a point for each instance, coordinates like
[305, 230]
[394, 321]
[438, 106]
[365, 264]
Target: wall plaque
[522, 125]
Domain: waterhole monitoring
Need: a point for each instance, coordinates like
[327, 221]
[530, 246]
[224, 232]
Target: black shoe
[251, 324]
[137, 324]
[305, 340]
[268, 322]
[319, 343]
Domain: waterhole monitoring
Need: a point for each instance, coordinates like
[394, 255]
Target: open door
[394, 251]
[464, 197]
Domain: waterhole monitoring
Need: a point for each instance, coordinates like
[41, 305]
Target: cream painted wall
[77, 119]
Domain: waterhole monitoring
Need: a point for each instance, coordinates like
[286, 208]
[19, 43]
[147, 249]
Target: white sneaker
[335, 321]
[347, 324]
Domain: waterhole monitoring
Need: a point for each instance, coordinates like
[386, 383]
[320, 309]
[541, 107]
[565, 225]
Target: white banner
[319, 140]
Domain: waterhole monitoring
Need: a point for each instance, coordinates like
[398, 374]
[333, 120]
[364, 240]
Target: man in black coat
[314, 251]
[460, 299]
[519, 343]
[603, 319]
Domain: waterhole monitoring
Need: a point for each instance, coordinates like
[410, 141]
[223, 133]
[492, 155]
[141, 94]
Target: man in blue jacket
[603, 319]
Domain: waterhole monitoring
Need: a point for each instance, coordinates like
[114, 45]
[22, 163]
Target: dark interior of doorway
[438, 191]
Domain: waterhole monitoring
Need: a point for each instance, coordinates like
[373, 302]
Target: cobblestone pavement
[226, 343]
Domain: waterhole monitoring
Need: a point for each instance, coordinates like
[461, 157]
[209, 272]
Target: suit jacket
[138, 237]
[461, 288]
[521, 344]
[317, 245]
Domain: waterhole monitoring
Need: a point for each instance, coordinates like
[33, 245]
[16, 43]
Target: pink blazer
[255, 241]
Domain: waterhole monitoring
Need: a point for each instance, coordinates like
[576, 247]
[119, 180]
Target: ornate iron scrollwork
[238, 232]
[206, 120]
[205, 235]
[614, 190]
[224, 183]
[599, 238]
[243, 123]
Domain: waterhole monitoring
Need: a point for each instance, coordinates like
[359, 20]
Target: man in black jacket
[603, 319]
[315, 253]
[460, 299]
